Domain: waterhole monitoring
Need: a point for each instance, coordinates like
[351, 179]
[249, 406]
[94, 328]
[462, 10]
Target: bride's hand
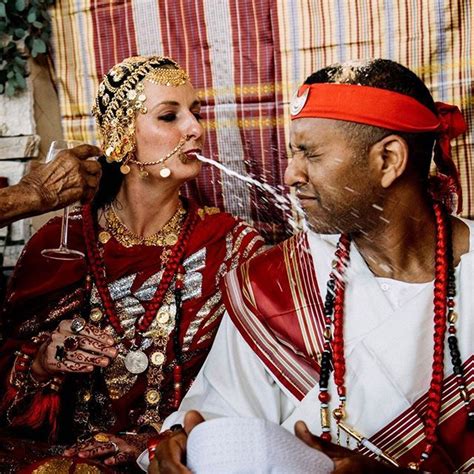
[111, 450]
[71, 351]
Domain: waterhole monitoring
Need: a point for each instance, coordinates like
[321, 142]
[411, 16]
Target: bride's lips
[191, 154]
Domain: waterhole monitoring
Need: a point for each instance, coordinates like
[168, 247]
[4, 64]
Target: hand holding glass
[63, 252]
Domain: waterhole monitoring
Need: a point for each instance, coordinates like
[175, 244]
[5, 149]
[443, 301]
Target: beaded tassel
[178, 369]
[453, 342]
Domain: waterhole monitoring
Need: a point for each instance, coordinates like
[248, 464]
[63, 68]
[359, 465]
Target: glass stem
[64, 227]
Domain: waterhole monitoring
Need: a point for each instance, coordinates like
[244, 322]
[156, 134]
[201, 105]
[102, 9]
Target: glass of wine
[63, 252]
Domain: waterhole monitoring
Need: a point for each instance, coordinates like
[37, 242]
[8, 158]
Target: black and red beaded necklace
[173, 267]
[444, 316]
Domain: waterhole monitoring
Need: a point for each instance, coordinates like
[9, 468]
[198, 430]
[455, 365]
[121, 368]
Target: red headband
[385, 109]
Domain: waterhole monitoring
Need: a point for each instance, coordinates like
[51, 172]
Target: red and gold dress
[43, 292]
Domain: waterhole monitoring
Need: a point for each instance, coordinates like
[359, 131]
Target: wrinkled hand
[70, 177]
[345, 460]
[170, 453]
[113, 452]
[95, 348]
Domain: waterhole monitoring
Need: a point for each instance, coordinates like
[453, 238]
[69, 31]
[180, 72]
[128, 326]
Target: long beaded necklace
[136, 360]
[333, 348]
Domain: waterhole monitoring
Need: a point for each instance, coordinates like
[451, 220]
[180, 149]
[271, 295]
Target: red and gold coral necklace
[444, 315]
[136, 360]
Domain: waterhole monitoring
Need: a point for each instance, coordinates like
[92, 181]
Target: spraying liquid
[284, 202]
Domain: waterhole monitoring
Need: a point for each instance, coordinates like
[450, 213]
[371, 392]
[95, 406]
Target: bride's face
[172, 113]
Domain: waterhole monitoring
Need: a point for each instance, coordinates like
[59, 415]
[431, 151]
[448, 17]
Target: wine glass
[63, 252]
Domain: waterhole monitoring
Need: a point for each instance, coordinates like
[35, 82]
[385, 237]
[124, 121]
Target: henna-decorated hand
[91, 348]
[112, 450]
[345, 460]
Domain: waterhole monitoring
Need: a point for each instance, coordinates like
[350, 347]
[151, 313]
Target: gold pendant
[125, 169]
[171, 239]
[157, 358]
[96, 315]
[104, 237]
[143, 173]
[152, 397]
[163, 316]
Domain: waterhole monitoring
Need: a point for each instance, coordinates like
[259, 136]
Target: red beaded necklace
[334, 341]
[97, 267]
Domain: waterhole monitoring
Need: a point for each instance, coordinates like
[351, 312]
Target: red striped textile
[295, 363]
[247, 57]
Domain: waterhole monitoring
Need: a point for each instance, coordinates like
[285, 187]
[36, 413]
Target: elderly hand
[112, 450]
[345, 460]
[70, 177]
[73, 351]
[171, 451]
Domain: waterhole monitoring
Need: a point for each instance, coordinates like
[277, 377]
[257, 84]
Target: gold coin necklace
[136, 360]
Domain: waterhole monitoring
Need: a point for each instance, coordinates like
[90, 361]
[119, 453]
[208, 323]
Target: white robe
[388, 348]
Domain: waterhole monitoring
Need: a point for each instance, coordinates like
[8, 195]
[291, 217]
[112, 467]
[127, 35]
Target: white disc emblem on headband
[298, 102]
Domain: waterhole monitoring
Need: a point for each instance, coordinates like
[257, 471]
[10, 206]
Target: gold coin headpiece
[121, 96]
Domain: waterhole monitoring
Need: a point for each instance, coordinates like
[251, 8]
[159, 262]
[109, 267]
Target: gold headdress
[121, 96]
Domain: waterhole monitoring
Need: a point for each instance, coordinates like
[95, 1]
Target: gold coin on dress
[152, 397]
[171, 238]
[86, 396]
[101, 438]
[157, 358]
[104, 237]
[163, 316]
[96, 314]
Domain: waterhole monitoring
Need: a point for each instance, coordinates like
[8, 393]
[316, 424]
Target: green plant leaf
[31, 16]
[19, 33]
[39, 46]
[24, 24]
[10, 89]
[20, 5]
[19, 60]
[20, 80]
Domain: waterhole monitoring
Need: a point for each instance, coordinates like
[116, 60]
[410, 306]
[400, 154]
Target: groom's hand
[345, 460]
[170, 454]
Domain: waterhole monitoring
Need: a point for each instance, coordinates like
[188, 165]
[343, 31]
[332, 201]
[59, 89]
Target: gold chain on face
[177, 148]
[166, 236]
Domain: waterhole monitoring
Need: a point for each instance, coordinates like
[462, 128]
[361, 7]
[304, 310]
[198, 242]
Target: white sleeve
[233, 382]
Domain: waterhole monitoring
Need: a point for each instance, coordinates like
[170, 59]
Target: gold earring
[125, 169]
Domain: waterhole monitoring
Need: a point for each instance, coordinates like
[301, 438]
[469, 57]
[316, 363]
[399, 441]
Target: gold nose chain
[165, 172]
